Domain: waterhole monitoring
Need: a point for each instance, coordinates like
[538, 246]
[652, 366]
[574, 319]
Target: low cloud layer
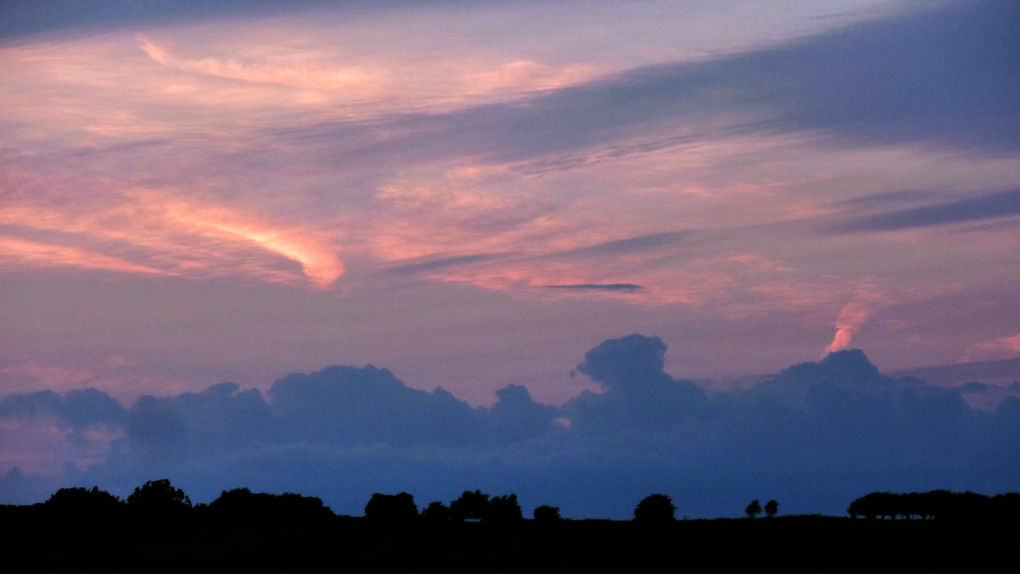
[813, 437]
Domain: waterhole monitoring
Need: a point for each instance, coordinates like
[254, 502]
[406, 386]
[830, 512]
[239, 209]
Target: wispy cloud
[998, 348]
[21, 253]
[159, 233]
[628, 287]
[981, 207]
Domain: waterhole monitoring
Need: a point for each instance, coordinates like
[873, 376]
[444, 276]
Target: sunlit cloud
[164, 235]
[1000, 348]
[21, 253]
[318, 258]
[43, 446]
[853, 316]
[350, 79]
[49, 376]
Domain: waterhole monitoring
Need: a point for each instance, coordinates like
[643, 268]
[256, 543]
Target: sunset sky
[475, 194]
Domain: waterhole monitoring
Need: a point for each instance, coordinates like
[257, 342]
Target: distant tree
[753, 509]
[470, 506]
[546, 513]
[771, 508]
[503, 510]
[436, 513]
[76, 506]
[158, 500]
[655, 509]
[158, 493]
[392, 509]
[83, 498]
[243, 507]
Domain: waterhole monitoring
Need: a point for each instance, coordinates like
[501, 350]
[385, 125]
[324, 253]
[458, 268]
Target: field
[800, 542]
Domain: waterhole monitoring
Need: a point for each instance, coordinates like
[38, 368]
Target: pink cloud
[854, 315]
[164, 234]
[40, 446]
[998, 348]
[32, 254]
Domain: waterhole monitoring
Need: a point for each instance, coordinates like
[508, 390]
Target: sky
[460, 201]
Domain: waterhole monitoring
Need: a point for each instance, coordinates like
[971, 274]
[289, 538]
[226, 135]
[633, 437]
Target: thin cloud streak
[19, 253]
[986, 206]
[628, 287]
[173, 236]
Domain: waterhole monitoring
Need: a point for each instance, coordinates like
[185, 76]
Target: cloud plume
[851, 319]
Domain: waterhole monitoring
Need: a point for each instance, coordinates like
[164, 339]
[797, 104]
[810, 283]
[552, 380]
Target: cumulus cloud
[345, 432]
[370, 405]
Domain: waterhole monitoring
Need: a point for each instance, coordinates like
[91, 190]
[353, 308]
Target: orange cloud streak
[166, 236]
[18, 252]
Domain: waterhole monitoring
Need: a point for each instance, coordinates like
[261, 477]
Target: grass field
[799, 542]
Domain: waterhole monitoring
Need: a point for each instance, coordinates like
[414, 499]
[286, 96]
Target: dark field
[799, 542]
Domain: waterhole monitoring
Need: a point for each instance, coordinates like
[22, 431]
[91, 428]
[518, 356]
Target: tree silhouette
[158, 493]
[503, 510]
[243, 507]
[655, 509]
[470, 506]
[436, 513]
[753, 509]
[771, 508]
[158, 501]
[83, 499]
[81, 506]
[546, 513]
[391, 509]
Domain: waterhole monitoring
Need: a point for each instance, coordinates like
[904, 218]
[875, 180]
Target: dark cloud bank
[814, 437]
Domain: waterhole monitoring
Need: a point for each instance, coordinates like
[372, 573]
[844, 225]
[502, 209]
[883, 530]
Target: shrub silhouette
[753, 509]
[655, 509]
[771, 508]
[546, 513]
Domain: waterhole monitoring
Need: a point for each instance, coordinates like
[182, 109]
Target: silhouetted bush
[771, 508]
[655, 509]
[753, 509]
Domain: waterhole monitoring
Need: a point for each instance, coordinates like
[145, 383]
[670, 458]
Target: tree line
[937, 504]
[158, 502]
